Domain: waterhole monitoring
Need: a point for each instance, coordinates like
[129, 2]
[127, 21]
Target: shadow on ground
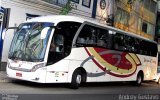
[63, 85]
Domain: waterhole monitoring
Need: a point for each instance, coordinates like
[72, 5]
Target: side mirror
[4, 33]
[5, 30]
[44, 32]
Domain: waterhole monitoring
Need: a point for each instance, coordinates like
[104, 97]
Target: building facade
[136, 16]
[157, 34]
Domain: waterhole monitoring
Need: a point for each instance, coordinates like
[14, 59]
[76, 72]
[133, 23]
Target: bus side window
[68, 30]
[94, 36]
[119, 42]
[102, 38]
[81, 40]
[59, 41]
[87, 36]
[130, 44]
[62, 39]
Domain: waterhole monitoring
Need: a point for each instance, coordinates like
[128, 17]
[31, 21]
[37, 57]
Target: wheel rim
[139, 80]
[78, 79]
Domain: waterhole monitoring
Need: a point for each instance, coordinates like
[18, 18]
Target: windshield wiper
[13, 55]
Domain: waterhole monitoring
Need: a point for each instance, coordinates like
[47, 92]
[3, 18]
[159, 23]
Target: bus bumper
[38, 76]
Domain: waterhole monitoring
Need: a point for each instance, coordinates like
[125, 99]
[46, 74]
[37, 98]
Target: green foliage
[65, 10]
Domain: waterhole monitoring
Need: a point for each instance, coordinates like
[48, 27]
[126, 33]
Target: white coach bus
[68, 49]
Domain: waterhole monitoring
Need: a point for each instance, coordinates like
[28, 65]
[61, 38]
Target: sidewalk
[3, 77]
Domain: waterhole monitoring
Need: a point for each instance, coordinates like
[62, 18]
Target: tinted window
[158, 70]
[144, 27]
[91, 36]
[135, 45]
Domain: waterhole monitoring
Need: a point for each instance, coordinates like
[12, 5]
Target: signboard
[2, 11]
[104, 10]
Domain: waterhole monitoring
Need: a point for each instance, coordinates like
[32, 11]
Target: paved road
[91, 91]
[22, 87]
[22, 90]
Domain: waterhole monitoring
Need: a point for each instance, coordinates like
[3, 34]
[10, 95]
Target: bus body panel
[58, 72]
[79, 59]
[149, 66]
[94, 69]
[62, 71]
[101, 64]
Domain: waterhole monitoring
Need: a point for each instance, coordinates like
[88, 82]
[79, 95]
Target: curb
[3, 77]
[4, 80]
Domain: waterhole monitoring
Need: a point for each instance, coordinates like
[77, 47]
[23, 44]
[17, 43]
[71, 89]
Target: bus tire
[76, 79]
[158, 82]
[139, 79]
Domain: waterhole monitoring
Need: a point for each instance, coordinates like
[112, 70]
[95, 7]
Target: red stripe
[104, 69]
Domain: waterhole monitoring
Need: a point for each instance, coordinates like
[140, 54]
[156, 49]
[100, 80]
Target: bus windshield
[27, 44]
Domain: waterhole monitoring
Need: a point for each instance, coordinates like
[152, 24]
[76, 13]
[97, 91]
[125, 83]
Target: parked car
[158, 75]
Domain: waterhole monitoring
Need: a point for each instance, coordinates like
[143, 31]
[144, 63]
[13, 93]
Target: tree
[65, 10]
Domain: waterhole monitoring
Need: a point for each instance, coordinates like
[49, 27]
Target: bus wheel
[158, 81]
[76, 79]
[139, 79]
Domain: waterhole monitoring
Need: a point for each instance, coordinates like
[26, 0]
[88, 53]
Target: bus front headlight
[37, 67]
[8, 64]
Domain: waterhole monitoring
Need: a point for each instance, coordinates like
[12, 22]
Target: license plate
[19, 74]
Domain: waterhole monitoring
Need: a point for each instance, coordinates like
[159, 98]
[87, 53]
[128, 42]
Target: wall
[140, 13]
[18, 15]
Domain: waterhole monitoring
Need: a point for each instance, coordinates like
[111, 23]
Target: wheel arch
[141, 73]
[84, 73]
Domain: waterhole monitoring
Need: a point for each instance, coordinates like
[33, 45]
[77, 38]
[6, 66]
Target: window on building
[144, 27]
[139, 24]
[86, 3]
[118, 16]
[62, 2]
[150, 29]
[147, 4]
[57, 2]
[153, 6]
[158, 29]
[76, 1]
[122, 16]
